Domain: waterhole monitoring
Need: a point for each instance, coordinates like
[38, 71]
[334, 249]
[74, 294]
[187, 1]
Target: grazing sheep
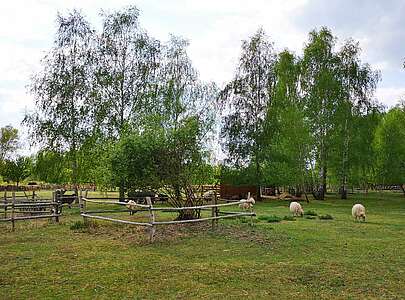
[251, 200]
[296, 209]
[359, 212]
[131, 205]
[247, 204]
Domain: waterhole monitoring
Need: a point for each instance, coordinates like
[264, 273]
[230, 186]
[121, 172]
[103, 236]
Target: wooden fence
[214, 208]
[13, 209]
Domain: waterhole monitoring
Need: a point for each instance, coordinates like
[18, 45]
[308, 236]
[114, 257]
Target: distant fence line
[151, 209]
[13, 209]
[37, 187]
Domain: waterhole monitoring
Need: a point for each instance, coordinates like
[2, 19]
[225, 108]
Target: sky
[215, 30]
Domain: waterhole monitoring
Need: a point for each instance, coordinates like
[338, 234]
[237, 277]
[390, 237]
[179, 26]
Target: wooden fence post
[13, 211]
[152, 228]
[5, 204]
[82, 206]
[214, 211]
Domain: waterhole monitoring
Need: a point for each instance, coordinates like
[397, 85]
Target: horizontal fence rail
[13, 209]
[216, 214]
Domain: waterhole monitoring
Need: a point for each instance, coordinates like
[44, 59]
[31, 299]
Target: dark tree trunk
[121, 189]
[343, 192]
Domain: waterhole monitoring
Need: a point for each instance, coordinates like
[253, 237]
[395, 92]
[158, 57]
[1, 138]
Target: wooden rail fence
[14, 209]
[216, 214]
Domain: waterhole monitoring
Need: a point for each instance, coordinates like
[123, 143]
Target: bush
[310, 213]
[289, 218]
[78, 225]
[270, 219]
[325, 217]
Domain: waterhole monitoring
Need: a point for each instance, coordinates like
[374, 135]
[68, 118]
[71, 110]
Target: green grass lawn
[304, 259]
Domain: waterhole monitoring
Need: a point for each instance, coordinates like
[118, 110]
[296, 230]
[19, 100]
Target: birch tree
[62, 88]
[245, 100]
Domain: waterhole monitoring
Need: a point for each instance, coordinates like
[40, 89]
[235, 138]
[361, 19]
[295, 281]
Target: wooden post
[215, 211]
[56, 207]
[152, 228]
[82, 206]
[13, 212]
[5, 204]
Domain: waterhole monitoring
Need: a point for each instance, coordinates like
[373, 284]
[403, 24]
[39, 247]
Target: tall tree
[246, 99]
[321, 91]
[17, 169]
[286, 130]
[62, 89]
[358, 83]
[168, 151]
[8, 141]
[390, 147]
[126, 62]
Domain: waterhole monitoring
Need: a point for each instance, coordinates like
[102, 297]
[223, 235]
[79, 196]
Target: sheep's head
[301, 212]
[251, 200]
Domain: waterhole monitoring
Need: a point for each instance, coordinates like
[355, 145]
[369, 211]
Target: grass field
[305, 258]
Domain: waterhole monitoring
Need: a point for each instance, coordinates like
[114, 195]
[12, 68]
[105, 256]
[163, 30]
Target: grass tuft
[79, 225]
[310, 213]
[325, 217]
[289, 218]
[270, 219]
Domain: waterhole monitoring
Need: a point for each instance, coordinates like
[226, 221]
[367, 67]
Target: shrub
[325, 217]
[289, 218]
[270, 219]
[78, 225]
[310, 213]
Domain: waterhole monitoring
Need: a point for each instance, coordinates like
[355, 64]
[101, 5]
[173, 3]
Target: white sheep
[359, 212]
[247, 204]
[209, 195]
[296, 209]
[131, 205]
[251, 200]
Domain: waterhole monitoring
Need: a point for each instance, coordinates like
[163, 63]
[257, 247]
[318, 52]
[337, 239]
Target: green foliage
[247, 97]
[325, 217]
[270, 219]
[51, 167]
[289, 218]
[8, 142]
[390, 147]
[310, 213]
[62, 89]
[79, 226]
[16, 170]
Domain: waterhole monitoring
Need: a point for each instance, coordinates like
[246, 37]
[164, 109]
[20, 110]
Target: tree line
[118, 107]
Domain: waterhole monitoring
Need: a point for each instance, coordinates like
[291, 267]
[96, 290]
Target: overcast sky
[215, 29]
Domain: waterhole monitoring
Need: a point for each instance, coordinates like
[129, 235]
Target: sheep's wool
[296, 209]
[358, 211]
[131, 205]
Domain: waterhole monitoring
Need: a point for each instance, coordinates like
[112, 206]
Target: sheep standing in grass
[247, 204]
[296, 209]
[131, 205]
[359, 212]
